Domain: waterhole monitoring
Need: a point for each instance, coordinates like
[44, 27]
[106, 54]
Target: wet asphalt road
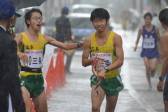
[75, 95]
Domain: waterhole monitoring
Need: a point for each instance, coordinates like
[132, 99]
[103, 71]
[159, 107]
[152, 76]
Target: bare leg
[26, 97]
[97, 100]
[111, 102]
[166, 106]
[41, 102]
[147, 65]
[153, 66]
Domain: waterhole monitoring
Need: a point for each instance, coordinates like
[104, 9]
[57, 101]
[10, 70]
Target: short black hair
[148, 14]
[163, 16]
[100, 13]
[29, 14]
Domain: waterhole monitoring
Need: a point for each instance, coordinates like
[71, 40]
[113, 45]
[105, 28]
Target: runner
[164, 45]
[150, 34]
[106, 51]
[31, 54]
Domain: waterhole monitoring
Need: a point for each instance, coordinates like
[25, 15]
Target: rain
[135, 21]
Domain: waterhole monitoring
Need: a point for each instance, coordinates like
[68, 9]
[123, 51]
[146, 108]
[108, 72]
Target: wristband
[161, 79]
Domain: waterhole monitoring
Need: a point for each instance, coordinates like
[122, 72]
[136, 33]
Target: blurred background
[130, 11]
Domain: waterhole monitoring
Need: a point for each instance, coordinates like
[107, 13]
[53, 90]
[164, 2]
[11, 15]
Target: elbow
[84, 64]
[121, 63]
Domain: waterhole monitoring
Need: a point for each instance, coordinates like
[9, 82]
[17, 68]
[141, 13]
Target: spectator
[63, 34]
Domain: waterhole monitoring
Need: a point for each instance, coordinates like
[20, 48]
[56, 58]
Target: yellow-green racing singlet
[105, 52]
[34, 51]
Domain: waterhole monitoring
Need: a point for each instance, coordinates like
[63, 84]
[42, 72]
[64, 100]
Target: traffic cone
[48, 79]
[33, 106]
[52, 78]
[63, 68]
[58, 68]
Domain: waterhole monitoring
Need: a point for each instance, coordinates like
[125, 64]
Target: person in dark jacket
[9, 80]
[63, 34]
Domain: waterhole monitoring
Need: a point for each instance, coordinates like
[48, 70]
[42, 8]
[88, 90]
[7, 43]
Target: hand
[99, 63]
[102, 73]
[100, 78]
[23, 57]
[135, 48]
[160, 86]
[80, 44]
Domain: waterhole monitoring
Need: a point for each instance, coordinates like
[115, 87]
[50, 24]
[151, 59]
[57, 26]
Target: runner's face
[13, 21]
[148, 20]
[99, 24]
[35, 21]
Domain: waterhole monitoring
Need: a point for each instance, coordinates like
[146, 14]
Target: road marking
[133, 92]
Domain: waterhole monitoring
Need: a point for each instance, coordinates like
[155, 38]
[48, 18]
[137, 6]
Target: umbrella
[19, 4]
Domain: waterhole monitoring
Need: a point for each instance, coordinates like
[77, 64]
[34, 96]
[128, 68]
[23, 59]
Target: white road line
[133, 92]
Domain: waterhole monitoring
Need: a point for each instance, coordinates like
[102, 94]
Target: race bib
[105, 57]
[35, 58]
[148, 43]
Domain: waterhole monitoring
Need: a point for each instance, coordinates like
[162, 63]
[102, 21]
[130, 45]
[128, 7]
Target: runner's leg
[166, 106]
[153, 66]
[147, 65]
[97, 100]
[41, 102]
[26, 97]
[111, 102]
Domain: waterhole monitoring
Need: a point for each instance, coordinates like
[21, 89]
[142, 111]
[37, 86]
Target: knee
[147, 68]
[153, 69]
[95, 108]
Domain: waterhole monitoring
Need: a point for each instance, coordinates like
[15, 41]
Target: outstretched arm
[66, 46]
[138, 37]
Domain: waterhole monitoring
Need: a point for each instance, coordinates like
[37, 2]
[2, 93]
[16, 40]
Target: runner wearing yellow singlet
[31, 51]
[106, 47]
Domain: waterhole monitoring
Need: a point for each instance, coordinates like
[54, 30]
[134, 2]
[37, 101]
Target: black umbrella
[19, 4]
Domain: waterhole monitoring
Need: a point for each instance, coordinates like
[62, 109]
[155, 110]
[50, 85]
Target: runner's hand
[160, 86]
[99, 63]
[23, 57]
[102, 73]
[80, 44]
[100, 78]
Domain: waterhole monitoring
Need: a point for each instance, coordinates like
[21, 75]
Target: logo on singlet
[95, 49]
[29, 47]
